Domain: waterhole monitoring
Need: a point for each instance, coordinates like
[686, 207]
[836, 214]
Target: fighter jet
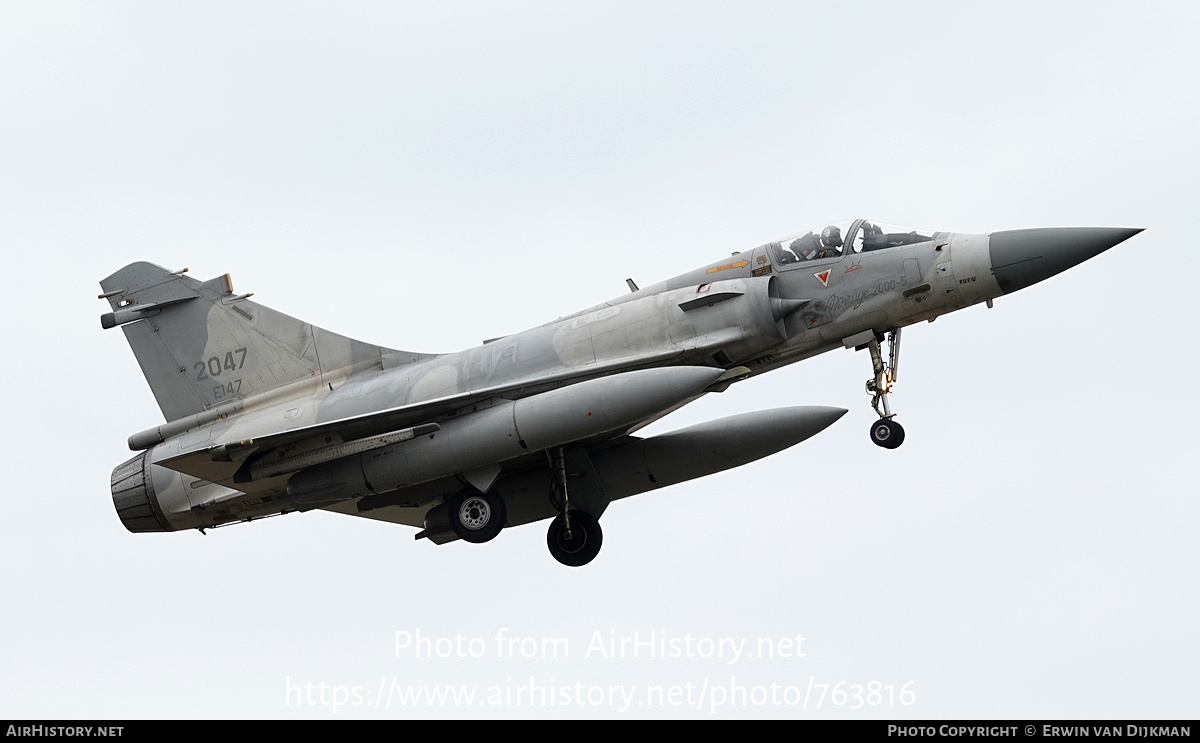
[266, 414]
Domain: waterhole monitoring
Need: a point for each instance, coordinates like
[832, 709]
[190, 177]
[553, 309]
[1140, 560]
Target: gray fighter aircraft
[267, 414]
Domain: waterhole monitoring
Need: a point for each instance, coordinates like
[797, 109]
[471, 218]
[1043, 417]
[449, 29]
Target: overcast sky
[425, 176]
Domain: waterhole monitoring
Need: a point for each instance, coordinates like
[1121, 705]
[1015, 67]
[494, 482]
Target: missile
[477, 441]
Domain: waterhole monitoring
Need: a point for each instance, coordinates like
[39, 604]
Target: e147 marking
[228, 390]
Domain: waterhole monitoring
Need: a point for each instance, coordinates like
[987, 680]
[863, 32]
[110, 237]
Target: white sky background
[427, 176]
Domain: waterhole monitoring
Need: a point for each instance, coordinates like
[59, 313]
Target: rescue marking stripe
[740, 264]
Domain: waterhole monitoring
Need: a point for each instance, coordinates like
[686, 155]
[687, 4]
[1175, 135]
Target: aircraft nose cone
[1024, 257]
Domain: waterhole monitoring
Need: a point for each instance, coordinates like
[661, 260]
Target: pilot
[831, 242]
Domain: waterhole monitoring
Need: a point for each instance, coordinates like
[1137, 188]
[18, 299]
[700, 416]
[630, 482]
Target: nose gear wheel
[887, 433]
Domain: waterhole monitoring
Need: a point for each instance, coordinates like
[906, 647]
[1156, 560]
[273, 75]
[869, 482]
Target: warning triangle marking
[823, 276]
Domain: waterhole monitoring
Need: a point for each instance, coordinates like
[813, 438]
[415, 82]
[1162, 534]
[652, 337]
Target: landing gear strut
[885, 432]
[574, 537]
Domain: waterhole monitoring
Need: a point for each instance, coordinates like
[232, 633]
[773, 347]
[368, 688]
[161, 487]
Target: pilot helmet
[831, 236]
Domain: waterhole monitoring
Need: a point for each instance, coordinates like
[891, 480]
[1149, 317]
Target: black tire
[477, 517]
[584, 544]
[887, 433]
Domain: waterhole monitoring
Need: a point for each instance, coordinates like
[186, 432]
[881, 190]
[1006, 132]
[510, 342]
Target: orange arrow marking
[740, 264]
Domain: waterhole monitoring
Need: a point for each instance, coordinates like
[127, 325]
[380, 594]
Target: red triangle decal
[823, 277]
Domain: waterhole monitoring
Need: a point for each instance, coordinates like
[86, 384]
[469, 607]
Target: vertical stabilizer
[200, 345]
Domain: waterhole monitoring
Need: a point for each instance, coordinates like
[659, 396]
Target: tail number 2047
[234, 360]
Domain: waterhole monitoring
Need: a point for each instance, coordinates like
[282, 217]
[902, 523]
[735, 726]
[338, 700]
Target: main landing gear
[577, 544]
[885, 432]
[575, 536]
[477, 517]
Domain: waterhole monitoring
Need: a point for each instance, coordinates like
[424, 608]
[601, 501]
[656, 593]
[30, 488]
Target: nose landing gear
[885, 432]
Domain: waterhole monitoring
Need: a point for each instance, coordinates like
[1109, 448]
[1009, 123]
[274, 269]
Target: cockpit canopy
[839, 238]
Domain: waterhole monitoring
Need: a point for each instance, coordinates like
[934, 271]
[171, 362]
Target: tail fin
[199, 345]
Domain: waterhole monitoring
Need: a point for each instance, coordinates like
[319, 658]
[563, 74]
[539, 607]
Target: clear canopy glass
[838, 238]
